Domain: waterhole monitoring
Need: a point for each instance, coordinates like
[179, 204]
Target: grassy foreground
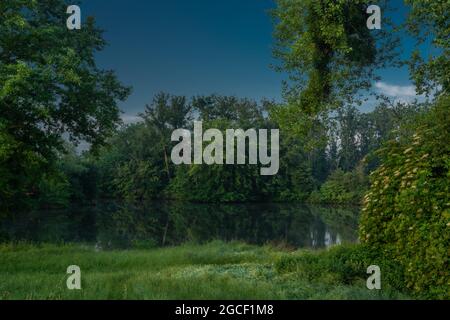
[213, 271]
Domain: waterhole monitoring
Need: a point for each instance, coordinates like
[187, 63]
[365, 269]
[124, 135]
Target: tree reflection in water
[114, 224]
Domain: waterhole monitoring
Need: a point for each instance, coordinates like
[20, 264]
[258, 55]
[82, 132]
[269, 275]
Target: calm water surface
[113, 224]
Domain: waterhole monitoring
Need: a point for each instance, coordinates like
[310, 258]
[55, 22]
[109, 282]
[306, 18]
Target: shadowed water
[114, 224]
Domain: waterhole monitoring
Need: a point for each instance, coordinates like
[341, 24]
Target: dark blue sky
[192, 47]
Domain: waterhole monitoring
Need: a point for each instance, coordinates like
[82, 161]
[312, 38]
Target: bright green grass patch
[213, 271]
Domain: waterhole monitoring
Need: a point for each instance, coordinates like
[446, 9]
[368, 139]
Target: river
[122, 225]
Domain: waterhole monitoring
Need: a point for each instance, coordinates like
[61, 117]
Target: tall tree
[328, 51]
[165, 114]
[50, 85]
[331, 58]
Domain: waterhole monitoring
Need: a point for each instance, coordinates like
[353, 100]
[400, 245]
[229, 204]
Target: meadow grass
[216, 270]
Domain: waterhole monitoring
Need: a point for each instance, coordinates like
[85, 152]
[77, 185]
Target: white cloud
[400, 92]
[129, 119]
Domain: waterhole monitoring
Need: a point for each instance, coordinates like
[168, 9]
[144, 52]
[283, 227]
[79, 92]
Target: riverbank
[216, 270]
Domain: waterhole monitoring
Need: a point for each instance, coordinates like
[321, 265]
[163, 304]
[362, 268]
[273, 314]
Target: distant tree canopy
[50, 86]
[136, 164]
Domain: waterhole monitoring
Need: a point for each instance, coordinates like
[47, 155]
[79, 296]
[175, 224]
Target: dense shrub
[342, 188]
[406, 211]
[53, 191]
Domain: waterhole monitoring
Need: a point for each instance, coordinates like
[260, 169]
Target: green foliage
[429, 23]
[222, 183]
[217, 183]
[18, 177]
[137, 180]
[332, 58]
[81, 174]
[134, 165]
[53, 190]
[340, 265]
[7, 146]
[49, 85]
[328, 50]
[137, 165]
[238, 183]
[406, 211]
[165, 114]
[342, 188]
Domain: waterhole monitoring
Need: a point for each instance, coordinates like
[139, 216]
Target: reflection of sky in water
[327, 241]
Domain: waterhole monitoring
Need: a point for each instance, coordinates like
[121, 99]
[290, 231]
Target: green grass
[213, 271]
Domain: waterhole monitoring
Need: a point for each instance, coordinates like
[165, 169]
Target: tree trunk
[166, 160]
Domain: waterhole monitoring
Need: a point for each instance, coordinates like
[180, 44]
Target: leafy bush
[406, 211]
[53, 191]
[342, 188]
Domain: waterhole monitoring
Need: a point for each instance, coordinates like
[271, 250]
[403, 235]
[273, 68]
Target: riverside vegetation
[213, 271]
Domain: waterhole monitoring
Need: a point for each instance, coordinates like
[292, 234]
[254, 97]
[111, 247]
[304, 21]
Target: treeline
[136, 164]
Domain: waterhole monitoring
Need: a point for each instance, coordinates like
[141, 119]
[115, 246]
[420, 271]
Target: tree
[166, 114]
[222, 183]
[50, 86]
[244, 113]
[349, 138]
[328, 51]
[429, 23]
[132, 166]
[331, 58]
